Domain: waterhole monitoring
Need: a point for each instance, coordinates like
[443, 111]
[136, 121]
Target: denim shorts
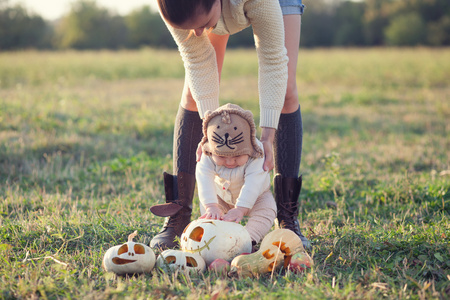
[292, 7]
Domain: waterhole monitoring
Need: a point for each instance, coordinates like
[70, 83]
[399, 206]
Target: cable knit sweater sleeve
[268, 28]
[200, 64]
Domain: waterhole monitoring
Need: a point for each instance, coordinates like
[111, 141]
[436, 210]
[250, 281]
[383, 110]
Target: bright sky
[53, 9]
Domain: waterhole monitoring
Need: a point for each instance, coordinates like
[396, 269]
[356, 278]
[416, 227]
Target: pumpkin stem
[132, 236]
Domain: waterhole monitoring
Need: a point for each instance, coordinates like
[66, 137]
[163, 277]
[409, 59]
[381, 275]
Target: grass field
[86, 136]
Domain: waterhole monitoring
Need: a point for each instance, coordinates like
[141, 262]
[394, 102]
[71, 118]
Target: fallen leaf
[439, 257]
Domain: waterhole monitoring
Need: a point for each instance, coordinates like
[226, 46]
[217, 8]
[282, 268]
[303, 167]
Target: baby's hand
[213, 211]
[236, 214]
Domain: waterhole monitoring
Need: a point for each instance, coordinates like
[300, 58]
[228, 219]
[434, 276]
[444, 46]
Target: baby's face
[230, 162]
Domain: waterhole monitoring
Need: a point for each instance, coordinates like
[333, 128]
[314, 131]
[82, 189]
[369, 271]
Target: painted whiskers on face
[228, 142]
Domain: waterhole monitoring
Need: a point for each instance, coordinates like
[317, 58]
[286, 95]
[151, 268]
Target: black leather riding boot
[287, 191]
[179, 192]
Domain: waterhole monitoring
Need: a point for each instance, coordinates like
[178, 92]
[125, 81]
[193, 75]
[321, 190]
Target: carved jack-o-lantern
[214, 239]
[129, 258]
[178, 260]
[276, 250]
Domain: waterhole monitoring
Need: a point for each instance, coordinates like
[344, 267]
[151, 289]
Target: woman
[201, 30]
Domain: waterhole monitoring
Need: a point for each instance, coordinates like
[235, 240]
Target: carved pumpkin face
[129, 258]
[276, 250]
[178, 260]
[263, 261]
[286, 240]
[214, 239]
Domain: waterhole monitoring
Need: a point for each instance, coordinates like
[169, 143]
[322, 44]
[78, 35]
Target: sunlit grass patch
[86, 136]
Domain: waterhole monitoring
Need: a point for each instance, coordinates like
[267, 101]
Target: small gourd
[172, 260]
[214, 239]
[275, 251]
[129, 258]
[300, 262]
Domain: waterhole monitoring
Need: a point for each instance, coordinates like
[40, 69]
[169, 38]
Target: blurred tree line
[326, 23]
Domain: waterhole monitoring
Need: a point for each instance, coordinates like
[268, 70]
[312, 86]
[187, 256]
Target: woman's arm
[267, 23]
[200, 64]
[267, 138]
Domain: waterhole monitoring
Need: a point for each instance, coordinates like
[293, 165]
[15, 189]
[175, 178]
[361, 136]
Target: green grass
[85, 137]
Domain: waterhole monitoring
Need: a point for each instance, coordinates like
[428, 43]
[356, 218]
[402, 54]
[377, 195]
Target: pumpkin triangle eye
[196, 234]
[191, 262]
[267, 254]
[171, 259]
[139, 249]
[123, 249]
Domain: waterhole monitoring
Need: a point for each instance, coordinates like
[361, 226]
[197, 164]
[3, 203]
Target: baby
[230, 177]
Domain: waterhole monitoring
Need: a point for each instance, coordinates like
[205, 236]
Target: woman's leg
[289, 136]
[179, 187]
[288, 139]
[292, 29]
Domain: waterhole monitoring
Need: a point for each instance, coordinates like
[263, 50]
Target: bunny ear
[226, 117]
[207, 113]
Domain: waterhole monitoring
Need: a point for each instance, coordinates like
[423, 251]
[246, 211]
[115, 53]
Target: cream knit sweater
[200, 59]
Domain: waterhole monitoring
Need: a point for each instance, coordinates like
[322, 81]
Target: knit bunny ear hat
[230, 131]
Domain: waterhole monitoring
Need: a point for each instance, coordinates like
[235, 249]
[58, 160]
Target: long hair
[179, 11]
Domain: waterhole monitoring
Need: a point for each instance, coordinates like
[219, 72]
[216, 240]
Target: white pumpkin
[214, 239]
[178, 260]
[129, 258]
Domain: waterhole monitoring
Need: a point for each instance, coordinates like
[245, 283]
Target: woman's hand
[213, 211]
[267, 138]
[236, 214]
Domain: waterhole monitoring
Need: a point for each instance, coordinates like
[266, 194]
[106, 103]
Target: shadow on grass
[65, 163]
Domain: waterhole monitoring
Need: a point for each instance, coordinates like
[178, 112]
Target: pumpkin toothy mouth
[122, 261]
